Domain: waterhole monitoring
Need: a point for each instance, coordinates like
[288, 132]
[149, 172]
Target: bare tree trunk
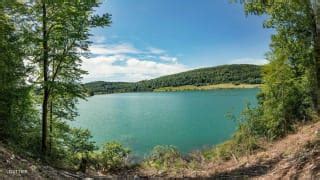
[45, 81]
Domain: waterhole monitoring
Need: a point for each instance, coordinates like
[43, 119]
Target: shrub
[114, 156]
[164, 157]
[243, 142]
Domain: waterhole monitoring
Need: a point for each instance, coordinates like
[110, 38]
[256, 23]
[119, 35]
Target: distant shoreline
[193, 88]
[207, 87]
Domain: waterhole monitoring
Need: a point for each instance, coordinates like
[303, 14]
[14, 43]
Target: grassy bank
[208, 87]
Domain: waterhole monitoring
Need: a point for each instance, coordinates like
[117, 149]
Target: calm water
[187, 120]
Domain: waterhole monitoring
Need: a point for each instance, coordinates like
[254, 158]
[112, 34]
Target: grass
[207, 87]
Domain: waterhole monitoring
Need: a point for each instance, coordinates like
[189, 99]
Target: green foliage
[288, 93]
[79, 145]
[114, 156]
[80, 141]
[247, 74]
[164, 158]
[243, 142]
[19, 122]
[58, 32]
[286, 99]
[71, 147]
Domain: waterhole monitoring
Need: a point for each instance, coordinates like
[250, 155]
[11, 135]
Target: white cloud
[98, 39]
[121, 67]
[103, 59]
[124, 62]
[168, 58]
[249, 61]
[153, 50]
[114, 49]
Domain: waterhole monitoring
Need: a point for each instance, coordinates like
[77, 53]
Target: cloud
[103, 59]
[168, 58]
[124, 48]
[153, 50]
[124, 62]
[98, 39]
[132, 70]
[249, 61]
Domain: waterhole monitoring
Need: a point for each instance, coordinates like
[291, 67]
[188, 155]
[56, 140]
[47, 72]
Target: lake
[188, 120]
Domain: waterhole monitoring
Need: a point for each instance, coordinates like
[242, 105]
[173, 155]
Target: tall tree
[314, 11]
[299, 22]
[62, 30]
[17, 115]
[291, 80]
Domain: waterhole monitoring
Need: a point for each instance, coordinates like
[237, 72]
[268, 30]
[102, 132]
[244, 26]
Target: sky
[152, 38]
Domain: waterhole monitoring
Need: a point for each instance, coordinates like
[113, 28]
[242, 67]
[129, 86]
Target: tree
[299, 21]
[60, 35]
[114, 156]
[80, 144]
[291, 79]
[16, 109]
[314, 11]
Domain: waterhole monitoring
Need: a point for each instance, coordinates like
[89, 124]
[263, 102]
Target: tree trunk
[316, 39]
[317, 59]
[50, 127]
[317, 47]
[45, 81]
[314, 15]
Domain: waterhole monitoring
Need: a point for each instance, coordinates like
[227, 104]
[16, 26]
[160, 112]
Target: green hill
[236, 74]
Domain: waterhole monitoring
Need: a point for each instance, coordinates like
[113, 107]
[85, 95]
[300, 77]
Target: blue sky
[151, 38]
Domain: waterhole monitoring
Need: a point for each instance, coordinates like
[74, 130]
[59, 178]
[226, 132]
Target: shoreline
[207, 87]
[192, 88]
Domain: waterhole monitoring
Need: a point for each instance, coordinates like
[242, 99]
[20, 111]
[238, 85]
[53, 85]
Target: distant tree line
[237, 73]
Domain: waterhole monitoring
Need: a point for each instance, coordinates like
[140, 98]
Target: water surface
[187, 120]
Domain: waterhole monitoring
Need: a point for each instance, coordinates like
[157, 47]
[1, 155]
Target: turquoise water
[187, 120]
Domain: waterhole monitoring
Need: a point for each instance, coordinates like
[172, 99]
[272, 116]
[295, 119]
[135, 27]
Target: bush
[243, 142]
[114, 156]
[164, 157]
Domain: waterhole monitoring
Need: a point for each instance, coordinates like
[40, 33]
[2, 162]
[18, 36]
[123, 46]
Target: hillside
[15, 166]
[296, 156]
[235, 74]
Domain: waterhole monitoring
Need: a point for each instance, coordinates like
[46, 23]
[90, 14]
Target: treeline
[237, 74]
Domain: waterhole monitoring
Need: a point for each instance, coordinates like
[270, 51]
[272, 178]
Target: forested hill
[237, 74]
